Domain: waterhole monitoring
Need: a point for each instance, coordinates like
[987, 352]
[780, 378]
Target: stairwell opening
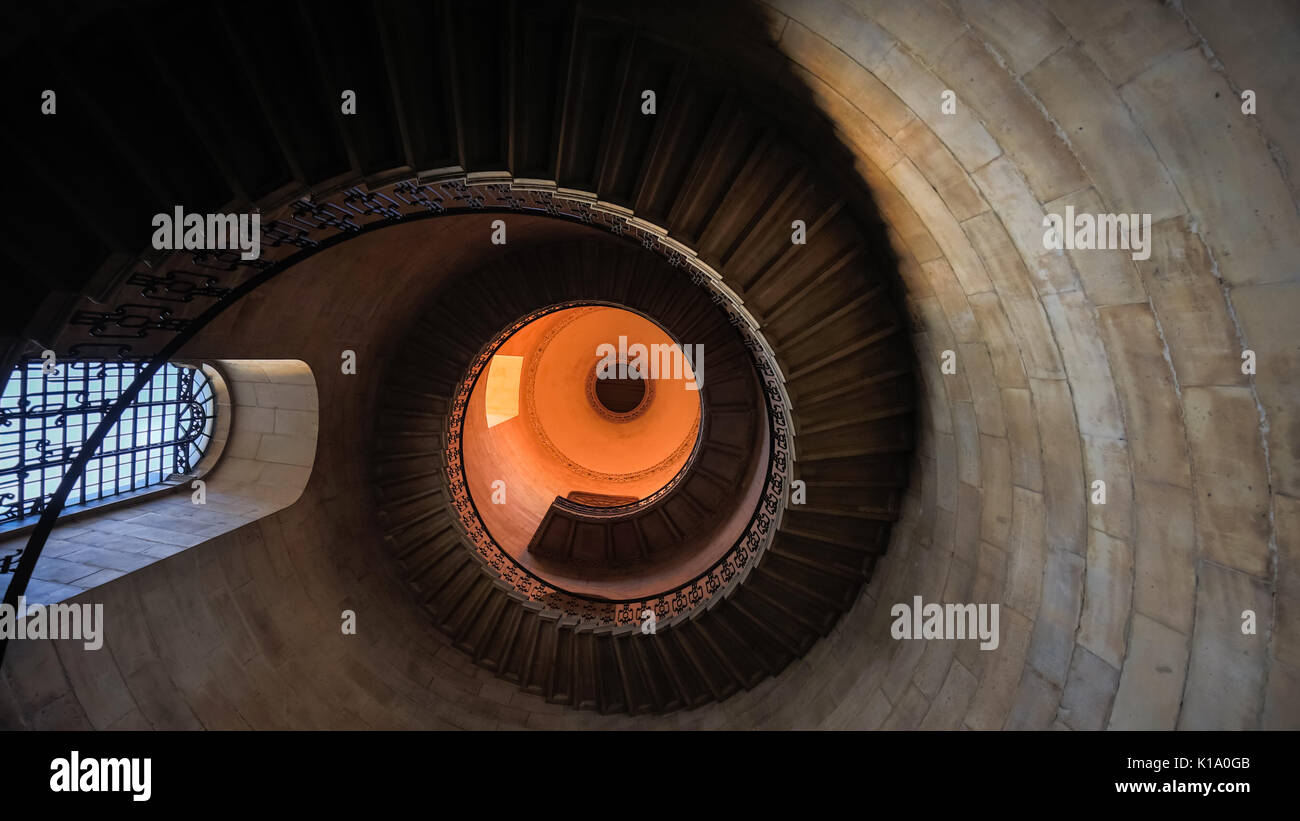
[620, 397]
[590, 432]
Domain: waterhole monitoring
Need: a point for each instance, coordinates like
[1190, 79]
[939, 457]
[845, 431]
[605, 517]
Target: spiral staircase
[483, 106]
[817, 561]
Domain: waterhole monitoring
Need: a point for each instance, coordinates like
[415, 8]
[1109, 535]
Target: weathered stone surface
[1058, 616]
[1287, 515]
[291, 397]
[1012, 117]
[43, 680]
[931, 319]
[253, 419]
[932, 668]
[1124, 38]
[1022, 213]
[1112, 148]
[987, 588]
[1107, 460]
[962, 132]
[1286, 629]
[1164, 555]
[1188, 299]
[864, 42]
[96, 681]
[955, 307]
[941, 168]
[1034, 333]
[967, 435]
[1247, 44]
[1267, 315]
[995, 463]
[932, 383]
[950, 705]
[1107, 597]
[997, 688]
[290, 450]
[946, 467]
[1091, 383]
[1151, 682]
[1152, 412]
[1225, 678]
[915, 280]
[1086, 702]
[1063, 488]
[902, 218]
[1022, 31]
[1005, 267]
[1231, 480]
[840, 70]
[942, 226]
[908, 711]
[867, 140]
[1025, 552]
[1022, 433]
[1109, 276]
[1194, 121]
[984, 388]
[1036, 703]
[926, 26]
[966, 537]
[1007, 365]
[872, 715]
[1282, 699]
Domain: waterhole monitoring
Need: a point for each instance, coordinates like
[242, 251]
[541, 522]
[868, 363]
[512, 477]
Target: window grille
[46, 417]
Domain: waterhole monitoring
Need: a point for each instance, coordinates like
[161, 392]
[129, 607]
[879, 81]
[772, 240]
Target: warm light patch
[502, 400]
[561, 438]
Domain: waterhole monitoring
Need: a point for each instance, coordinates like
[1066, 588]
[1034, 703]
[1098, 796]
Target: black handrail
[343, 214]
[720, 577]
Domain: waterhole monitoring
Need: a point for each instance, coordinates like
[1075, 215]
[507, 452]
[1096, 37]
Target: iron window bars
[45, 419]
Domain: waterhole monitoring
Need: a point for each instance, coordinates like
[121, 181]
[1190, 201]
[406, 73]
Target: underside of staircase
[532, 95]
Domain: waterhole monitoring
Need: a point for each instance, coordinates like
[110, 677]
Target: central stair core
[578, 433]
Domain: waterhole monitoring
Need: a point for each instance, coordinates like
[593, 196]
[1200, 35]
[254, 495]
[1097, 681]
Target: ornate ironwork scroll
[153, 317]
[677, 602]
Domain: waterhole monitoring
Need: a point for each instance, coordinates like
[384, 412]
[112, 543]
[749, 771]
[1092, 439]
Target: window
[45, 418]
[503, 389]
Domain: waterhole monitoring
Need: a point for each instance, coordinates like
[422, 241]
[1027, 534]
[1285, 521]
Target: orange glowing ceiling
[538, 425]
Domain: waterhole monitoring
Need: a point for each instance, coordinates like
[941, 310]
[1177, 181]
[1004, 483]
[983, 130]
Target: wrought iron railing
[157, 312]
[672, 604]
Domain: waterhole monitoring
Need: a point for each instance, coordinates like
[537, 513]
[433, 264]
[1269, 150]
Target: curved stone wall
[1076, 366]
